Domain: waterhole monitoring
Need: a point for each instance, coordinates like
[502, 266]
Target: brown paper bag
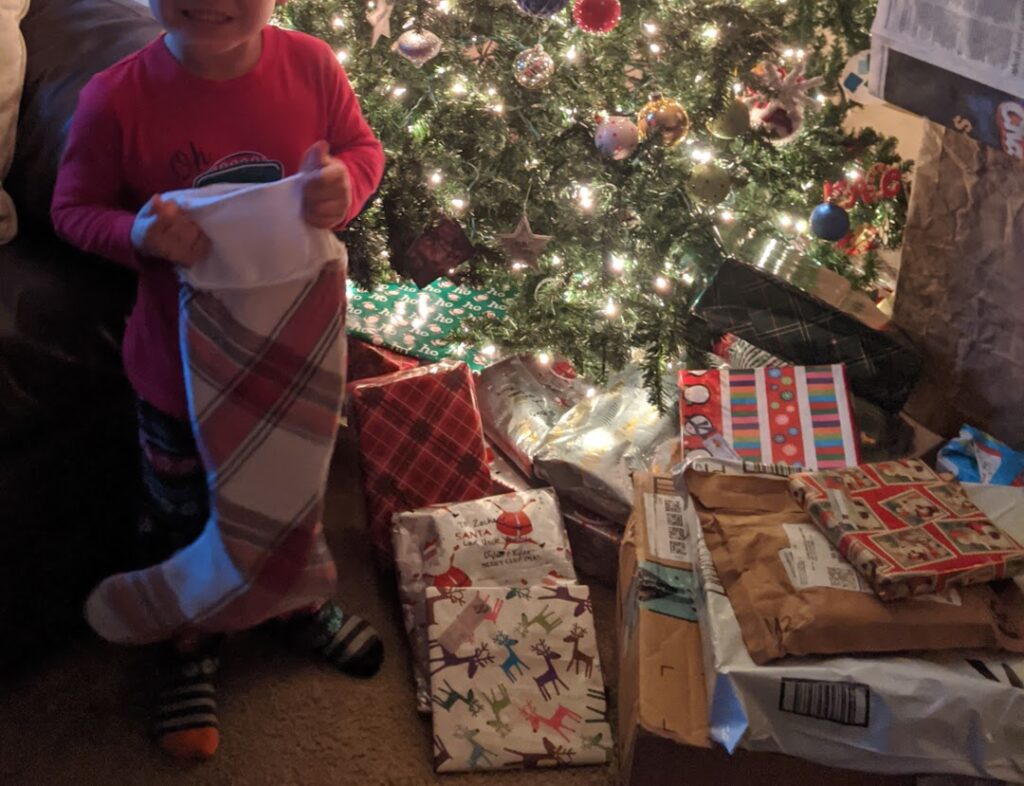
[794, 594]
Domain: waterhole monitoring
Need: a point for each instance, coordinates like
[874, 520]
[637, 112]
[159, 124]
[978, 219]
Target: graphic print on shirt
[242, 167]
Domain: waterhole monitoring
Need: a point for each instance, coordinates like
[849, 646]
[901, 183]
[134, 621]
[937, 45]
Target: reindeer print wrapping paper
[513, 539]
[515, 679]
[905, 529]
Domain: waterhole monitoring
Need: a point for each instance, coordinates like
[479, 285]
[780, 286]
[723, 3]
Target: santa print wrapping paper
[800, 416]
[516, 680]
[905, 529]
[421, 443]
[515, 539]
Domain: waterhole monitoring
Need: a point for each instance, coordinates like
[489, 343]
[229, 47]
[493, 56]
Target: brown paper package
[742, 520]
[961, 286]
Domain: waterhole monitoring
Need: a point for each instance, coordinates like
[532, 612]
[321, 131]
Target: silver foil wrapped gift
[517, 410]
[590, 454]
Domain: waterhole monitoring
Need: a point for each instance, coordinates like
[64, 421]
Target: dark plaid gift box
[786, 321]
[421, 443]
[366, 360]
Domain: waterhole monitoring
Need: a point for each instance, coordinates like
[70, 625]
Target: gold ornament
[664, 121]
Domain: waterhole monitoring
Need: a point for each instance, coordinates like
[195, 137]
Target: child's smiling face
[214, 27]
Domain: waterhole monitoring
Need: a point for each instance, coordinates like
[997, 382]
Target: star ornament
[481, 53]
[379, 18]
[522, 245]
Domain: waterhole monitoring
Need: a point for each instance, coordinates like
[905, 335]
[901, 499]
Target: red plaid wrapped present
[366, 360]
[905, 529]
[421, 443]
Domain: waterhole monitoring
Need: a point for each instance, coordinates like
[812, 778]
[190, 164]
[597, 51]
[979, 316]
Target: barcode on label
[784, 470]
[846, 703]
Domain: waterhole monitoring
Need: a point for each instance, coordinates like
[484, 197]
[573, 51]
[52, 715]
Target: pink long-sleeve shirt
[146, 126]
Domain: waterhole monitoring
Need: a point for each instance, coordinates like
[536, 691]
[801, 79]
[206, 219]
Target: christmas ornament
[534, 67]
[522, 245]
[379, 18]
[780, 112]
[732, 122]
[830, 222]
[617, 137]
[859, 241]
[710, 183]
[663, 120]
[418, 46]
[434, 253]
[543, 9]
[879, 182]
[481, 52]
[596, 16]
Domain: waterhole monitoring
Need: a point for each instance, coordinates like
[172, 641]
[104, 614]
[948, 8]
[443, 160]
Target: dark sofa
[68, 455]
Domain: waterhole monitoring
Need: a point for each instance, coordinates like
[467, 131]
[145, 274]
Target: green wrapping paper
[420, 322]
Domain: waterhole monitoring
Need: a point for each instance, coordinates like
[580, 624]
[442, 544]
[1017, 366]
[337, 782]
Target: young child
[222, 96]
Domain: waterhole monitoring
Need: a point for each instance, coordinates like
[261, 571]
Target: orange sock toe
[192, 744]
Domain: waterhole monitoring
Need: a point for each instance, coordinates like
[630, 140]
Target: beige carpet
[80, 717]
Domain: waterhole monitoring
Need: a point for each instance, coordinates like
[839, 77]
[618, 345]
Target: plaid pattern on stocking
[785, 321]
[265, 371]
[420, 442]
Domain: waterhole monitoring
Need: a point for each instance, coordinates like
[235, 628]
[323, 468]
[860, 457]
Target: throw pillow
[12, 76]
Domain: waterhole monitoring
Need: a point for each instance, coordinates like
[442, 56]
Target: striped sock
[186, 711]
[347, 642]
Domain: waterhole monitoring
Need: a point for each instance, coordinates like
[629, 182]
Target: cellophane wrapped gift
[590, 454]
[516, 680]
[789, 323]
[515, 539]
[907, 531]
[517, 410]
[960, 712]
[421, 442]
[795, 415]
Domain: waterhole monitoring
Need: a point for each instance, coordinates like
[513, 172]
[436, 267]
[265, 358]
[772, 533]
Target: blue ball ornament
[543, 9]
[830, 222]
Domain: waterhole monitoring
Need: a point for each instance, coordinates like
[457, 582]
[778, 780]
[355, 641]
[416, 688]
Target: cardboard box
[663, 703]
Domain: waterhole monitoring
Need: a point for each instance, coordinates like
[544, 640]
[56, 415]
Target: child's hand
[164, 230]
[327, 193]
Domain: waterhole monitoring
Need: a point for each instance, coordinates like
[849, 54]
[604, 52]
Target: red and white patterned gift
[908, 531]
[800, 416]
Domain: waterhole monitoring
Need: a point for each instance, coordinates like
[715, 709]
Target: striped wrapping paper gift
[800, 416]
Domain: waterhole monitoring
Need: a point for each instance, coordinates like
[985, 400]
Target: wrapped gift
[960, 712]
[977, 457]
[513, 539]
[795, 415]
[421, 322]
[516, 680]
[517, 410]
[742, 354]
[907, 530]
[590, 454]
[505, 477]
[420, 443]
[595, 544]
[781, 319]
[368, 360]
[774, 563]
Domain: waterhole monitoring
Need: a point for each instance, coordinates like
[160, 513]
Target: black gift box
[780, 318]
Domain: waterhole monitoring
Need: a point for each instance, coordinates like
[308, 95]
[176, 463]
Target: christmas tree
[596, 163]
